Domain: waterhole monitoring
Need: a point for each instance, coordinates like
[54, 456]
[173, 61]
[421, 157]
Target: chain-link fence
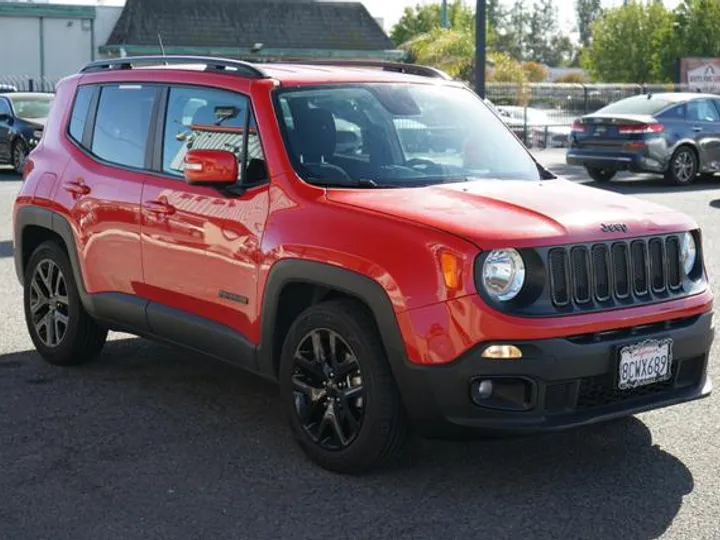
[542, 113]
[20, 83]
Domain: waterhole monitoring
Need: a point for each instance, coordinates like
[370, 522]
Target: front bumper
[571, 382]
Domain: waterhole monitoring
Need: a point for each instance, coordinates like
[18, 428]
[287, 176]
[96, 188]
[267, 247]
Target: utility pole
[445, 22]
[480, 30]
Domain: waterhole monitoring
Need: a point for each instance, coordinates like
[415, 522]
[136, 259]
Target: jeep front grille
[609, 272]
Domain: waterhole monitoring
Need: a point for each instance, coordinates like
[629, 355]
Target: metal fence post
[585, 99]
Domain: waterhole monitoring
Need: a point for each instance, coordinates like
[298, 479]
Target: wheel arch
[330, 279]
[33, 218]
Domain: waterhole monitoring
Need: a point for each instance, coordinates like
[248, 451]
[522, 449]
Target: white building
[43, 40]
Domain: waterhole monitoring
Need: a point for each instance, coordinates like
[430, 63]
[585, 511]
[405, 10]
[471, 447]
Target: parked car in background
[674, 134]
[22, 121]
[540, 129]
[7, 88]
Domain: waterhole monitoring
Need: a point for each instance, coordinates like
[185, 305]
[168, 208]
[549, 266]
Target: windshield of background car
[31, 108]
[398, 135]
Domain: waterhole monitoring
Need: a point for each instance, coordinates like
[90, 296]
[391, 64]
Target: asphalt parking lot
[153, 442]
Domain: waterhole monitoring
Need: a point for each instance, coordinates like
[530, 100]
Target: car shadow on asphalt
[8, 175]
[147, 418]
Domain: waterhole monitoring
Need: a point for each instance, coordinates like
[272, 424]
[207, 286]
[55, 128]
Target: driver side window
[209, 119]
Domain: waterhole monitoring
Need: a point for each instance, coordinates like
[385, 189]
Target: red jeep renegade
[371, 236]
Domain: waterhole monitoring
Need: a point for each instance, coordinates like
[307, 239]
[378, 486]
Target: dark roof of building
[277, 24]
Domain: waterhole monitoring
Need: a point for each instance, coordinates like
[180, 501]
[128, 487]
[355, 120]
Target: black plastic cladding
[543, 296]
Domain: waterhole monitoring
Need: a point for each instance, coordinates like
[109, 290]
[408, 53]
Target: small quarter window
[79, 116]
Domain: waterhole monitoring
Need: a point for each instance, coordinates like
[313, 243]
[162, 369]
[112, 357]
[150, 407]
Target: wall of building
[43, 41]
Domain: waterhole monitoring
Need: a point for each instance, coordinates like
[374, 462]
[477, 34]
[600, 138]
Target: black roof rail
[399, 67]
[225, 65]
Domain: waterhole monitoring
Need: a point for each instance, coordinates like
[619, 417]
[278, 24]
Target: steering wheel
[425, 165]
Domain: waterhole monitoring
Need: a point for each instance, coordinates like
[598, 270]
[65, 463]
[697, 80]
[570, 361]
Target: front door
[201, 244]
[703, 119]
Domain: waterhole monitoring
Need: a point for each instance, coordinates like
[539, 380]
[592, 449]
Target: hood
[505, 213]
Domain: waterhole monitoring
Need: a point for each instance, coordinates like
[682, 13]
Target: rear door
[102, 186]
[5, 116]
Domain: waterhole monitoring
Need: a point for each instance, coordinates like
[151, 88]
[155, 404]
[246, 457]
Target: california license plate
[644, 363]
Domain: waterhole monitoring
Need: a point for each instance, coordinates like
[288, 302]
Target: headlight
[503, 274]
[37, 134]
[688, 253]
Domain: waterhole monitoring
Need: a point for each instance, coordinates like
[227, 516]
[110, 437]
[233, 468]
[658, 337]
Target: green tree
[518, 30]
[587, 11]
[451, 50]
[634, 43]
[698, 28]
[425, 18]
[543, 32]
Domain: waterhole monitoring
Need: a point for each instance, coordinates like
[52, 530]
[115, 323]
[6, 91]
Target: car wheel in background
[683, 166]
[19, 154]
[601, 175]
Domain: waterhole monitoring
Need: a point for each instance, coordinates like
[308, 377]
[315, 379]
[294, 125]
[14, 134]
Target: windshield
[34, 107]
[398, 135]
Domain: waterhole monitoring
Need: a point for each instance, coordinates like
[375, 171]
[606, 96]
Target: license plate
[645, 363]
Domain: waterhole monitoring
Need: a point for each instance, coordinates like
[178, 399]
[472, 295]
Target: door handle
[697, 128]
[76, 188]
[159, 207]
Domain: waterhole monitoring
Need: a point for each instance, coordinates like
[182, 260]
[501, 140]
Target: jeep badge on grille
[614, 227]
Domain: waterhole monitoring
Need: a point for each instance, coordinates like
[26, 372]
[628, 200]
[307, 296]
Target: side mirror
[210, 167]
[4, 117]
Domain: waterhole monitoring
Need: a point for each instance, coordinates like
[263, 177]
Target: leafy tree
[571, 78]
[518, 30]
[452, 50]
[506, 69]
[632, 44]
[587, 11]
[425, 18]
[698, 28]
[535, 72]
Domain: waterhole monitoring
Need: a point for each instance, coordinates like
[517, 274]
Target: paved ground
[154, 442]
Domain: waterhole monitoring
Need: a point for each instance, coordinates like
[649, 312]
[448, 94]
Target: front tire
[62, 331]
[601, 176]
[338, 391]
[683, 167]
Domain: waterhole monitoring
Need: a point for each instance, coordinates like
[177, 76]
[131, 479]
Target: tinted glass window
[4, 107]
[123, 123]
[636, 105]
[702, 110]
[80, 112]
[674, 113]
[209, 119]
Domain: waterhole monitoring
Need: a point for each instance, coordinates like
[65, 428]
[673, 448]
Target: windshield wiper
[361, 183]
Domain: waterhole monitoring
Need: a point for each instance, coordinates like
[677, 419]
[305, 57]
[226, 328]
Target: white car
[542, 130]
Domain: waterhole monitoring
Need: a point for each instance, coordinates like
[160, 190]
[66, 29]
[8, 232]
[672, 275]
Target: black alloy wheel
[338, 390]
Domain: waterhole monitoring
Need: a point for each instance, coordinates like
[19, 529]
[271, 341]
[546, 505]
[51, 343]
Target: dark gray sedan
[674, 134]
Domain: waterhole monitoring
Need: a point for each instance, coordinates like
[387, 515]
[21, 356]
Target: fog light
[484, 389]
[502, 352]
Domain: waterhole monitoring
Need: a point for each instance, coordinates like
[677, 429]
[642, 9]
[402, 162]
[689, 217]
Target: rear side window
[80, 112]
[122, 124]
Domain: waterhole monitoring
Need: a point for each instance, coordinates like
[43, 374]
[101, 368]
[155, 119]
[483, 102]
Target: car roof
[26, 95]
[676, 97]
[290, 73]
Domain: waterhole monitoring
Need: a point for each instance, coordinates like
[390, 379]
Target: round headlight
[688, 253]
[503, 274]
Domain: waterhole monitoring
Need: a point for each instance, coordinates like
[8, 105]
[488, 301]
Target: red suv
[370, 236]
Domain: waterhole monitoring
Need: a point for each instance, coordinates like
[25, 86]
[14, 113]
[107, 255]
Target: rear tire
[601, 176]
[62, 331]
[344, 410]
[683, 168]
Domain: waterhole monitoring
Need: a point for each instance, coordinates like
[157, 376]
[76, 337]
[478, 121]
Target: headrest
[315, 134]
